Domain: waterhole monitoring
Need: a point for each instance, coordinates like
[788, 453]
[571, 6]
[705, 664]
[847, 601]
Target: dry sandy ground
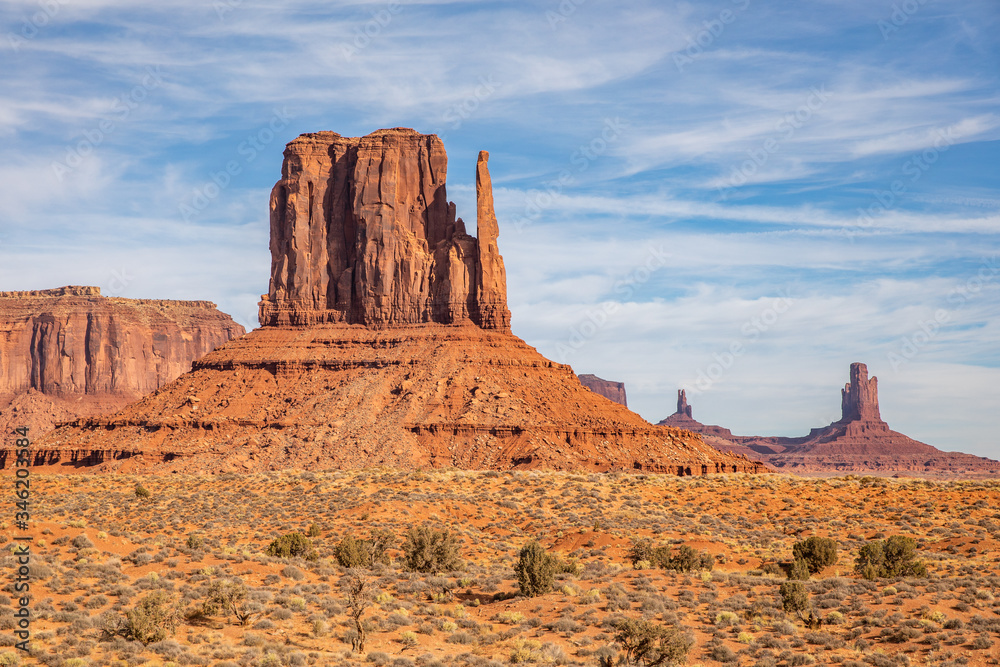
[136, 546]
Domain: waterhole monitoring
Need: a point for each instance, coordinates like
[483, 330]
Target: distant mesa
[384, 341]
[613, 391]
[858, 442]
[70, 352]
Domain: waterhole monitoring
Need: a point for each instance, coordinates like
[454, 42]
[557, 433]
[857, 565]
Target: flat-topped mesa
[362, 232]
[859, 397]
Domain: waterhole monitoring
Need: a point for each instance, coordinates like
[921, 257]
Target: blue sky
[738, 197]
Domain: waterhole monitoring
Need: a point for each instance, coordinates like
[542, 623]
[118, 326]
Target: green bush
[352, 552]
[290, 546]
[429, 550]
[647, 643]
[686, 559]
[195, 541]
[894, 557]
[794, 596]
[799, 571]
[817, 552]
[153, 619]
[313, 531]
[141, 491]
[536, 569]
[230, 597]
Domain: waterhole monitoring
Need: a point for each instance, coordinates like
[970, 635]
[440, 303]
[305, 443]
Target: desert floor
[194, 530]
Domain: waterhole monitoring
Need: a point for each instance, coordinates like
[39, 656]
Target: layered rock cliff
[69, 351]
[858, 442]
[384, 341]
[613, 391]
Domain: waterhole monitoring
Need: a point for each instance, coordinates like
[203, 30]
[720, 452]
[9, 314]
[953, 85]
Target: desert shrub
[352, 552]
[799, 571]
[685, 559]
[291, 545]
[794, 596]
[313, 530]
[535, 570]
[817, 552]
[151, 620]
[141, 491]
[770, 568]
[429, 550]
[81, 541]
[195, 541]
[648, 643]
[230, 598]
[893, 557]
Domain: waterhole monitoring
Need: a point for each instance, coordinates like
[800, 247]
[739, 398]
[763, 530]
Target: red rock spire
[362, 232]
[859, 398]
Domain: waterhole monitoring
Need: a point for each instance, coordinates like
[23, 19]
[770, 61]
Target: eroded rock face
[362, 232]
[858, 442]
[385, 342]
[613, 391]
[69, 351]
[859, 398]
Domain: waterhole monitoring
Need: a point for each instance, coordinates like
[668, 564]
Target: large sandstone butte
[384, 341]
[609, 389]
[70, 352]
[858, 442]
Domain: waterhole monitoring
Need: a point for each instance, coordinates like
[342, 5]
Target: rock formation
[70, 352]
[613, 391]
[362, 233]
[858, 442]
[384, 341]
[684, 418]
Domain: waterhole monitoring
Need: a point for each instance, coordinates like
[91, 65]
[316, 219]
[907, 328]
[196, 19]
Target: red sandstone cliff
[384, 341]
[613, 391]
[70, 352]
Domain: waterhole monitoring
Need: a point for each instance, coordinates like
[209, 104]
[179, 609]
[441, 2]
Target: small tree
[799, 571]
[817, 552]
[794, 597]
[230, 597]
[360, 590]
[536, 569]
[291, 545]
[648, 644]
[152, 619]
[313, 531]
[894, 557]
[430, 550]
